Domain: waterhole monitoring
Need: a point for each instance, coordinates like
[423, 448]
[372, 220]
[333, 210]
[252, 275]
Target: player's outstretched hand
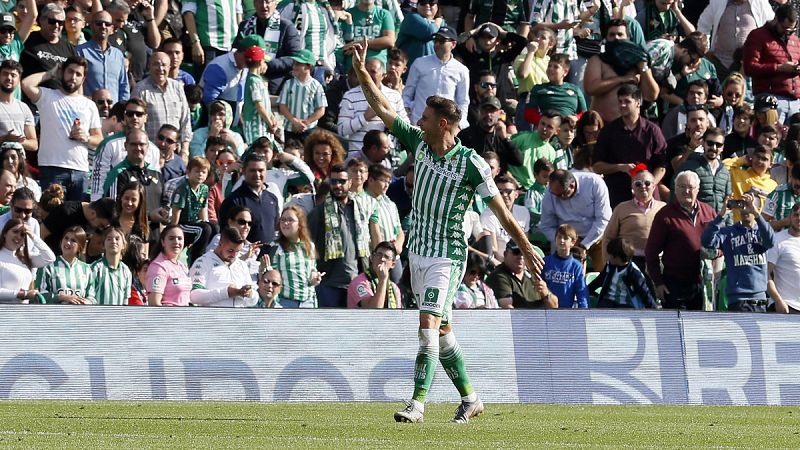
[533, 261]
[359, 54]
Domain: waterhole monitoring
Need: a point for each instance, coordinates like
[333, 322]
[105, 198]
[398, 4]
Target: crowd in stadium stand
[221, 153]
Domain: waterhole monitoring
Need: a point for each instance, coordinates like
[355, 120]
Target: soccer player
[447, 175]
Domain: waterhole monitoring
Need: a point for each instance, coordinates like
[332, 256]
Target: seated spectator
[734, 89]
[489, 46]
[14, 162]
[587, 130]
[269, 288]
[23, 206]
[372, 289]
[631, 220]
[15, 34]
[132, 207]
[677, 117]
[220, 119]
[563, 273]
[780, 203]
[739, 142]
[220, 278]
[623, 285]
[189, 203]
[744, 246]
[322, 150]
[565, 98]
[667, 56]
[376, 150]
[499, 237]
[563, 142]
[295, 258]
[306, 104]
[66, 280]
[242, 219]
[97, 215]
[514, 287]
[783, 262]
[473, 293]
[167, 141]
[715, 180]
[111, 280]
[17, 261]
[107, 68]
[534, 145]
[254, 195]
[490, 134]
[168, 282]
[534, 197]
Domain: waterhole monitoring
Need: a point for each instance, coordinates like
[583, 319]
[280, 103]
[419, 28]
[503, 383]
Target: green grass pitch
[135, 425]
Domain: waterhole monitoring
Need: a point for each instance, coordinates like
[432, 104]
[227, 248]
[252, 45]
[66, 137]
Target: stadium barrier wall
[650, 357]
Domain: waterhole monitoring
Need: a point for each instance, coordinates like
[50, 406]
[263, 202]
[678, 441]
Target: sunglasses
[272, 283]
[102, 24]
[715, 144]
[337, 181]
[131, 113]
[507, 191]
[223, 162]
[104, 101]
[23, 210]
[486, 84]
[52, 21]
[169, 141]
[640, 183]
[243, 222]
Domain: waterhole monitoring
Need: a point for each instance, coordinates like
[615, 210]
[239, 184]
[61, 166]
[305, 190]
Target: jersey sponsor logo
[431, 299]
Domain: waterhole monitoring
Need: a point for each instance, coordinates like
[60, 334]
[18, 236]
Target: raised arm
[30, 85]
[375, 98]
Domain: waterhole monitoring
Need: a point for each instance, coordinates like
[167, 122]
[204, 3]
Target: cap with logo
[491, 102]
[765, 103]
[447, 33]
[7, 20]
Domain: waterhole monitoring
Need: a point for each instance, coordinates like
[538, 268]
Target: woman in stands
[242, 220]
[132, 207]
[168, 282]
[323, 150]
[415, 33]
[65, 281]
[110, 279]
[588, 128]
[97, 215]
[15, 163]
[295, 259]
[17, 262]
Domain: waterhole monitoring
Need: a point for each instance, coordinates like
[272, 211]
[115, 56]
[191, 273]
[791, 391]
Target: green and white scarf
[272, 34]
[333, 233]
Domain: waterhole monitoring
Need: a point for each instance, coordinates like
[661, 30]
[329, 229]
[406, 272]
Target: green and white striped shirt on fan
[216, 21]
[556, 11]
[302, 99]
[780, 202]
[295, 267]
[388, 219]
[107, 285]
[443, 190]
[61, 277]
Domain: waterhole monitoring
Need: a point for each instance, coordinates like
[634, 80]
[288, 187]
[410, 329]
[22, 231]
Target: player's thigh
[434, 282]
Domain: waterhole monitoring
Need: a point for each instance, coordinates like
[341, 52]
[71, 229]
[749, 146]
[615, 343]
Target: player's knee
[428, 337]
[429, 321]
[445, 330]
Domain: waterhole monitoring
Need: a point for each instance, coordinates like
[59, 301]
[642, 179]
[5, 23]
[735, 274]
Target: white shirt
[210, 280]
[14, 275]
[490, 223]
[785, 255]
[57, 113]
[352, 124]
[14, 115]
[429, 76]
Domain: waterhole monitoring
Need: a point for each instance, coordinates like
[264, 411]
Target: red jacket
[763, 52]
[678, 236]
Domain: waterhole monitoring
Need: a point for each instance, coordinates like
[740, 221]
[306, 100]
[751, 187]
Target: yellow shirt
[537, 75]
[744, 178]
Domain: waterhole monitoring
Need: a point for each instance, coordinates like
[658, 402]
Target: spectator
[356, 118]
[484, 86]
[783, 261]
[12, 37]
[168, 282]
[322, 150]
[241, 218]
[563, 143]
[132, 207]
[137, 32]
[135, 168]
[166, 101]
[749, 172]
[673, 252]
[682, 57]
[588, 128]
[376, 150]
[111, 150]
[74, 25]
[269, 289]
[744, 246]
[306, 104]
[489, 47]
[316, 26]
[631, 220]
[414, 35]
[691, 140]
[167, 141]
[107, 68]
[777, 210]
[293, 171]
[340, 230]
[534, 197]
[566, 99]
[561, 17]
[734, 88]
[137, 261]
[739, 142]
[334, 92]
[210, 34]
[715, 180]
[111, 280]
[676, 120]
[66, 280]
[473, 293]
[388, 217]
[45, 49]
[189, 203]
[622, 63]
[14, 162]
[499, 237]
[257, 118]
[438, 74]
[579, 199]
[530, 68]
[194, 95]
[253, 194]
[370, 24]
[224, 77]
[8, 184]
[23, 206]
[563, 273]
[17, 261]
[514, 287]
[770, 56]
[661, 19]
[173, 47]
[102, 98]
[534, 145]
[396, 69]
[97, 215]
[220, 121]
[626, 142]
[623, 285]
[781, 170]
[220, 278]
[490, 134]
[372, 289]
[17, 129]
[223, 164]
[280, 38]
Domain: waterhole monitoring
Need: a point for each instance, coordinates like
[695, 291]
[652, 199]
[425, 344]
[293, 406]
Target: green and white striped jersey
[107, 285]
[216, 21]
[555, 11]
[61, 277]
[662, 55]
[295, 267]
[780, 202]
[388, 219]
[443, 190]
[302, 99]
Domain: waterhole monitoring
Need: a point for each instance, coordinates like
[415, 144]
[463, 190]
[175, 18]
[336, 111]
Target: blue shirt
[564, 278]
[106, 71]
[173, 168]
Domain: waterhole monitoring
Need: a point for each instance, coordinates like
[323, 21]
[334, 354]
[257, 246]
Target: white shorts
[435, 282]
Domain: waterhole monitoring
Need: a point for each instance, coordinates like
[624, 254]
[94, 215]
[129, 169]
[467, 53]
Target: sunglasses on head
[131, 113]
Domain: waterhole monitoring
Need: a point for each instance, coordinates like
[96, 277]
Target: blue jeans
[74, 182]
[786, 107]
[331, 297]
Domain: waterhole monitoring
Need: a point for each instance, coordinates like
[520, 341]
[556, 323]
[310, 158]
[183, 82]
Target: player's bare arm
[532, 260]
[372, 92]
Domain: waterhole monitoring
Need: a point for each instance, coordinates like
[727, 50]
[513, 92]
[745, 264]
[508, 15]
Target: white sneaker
[468, 410]
[409, 415]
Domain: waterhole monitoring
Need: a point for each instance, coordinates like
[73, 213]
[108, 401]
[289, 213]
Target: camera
[732, 204]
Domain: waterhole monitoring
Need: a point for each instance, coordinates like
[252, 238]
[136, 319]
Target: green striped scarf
[333, 235]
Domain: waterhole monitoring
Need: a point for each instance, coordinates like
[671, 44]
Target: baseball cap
[7, 20]
[447, 33]
[513, 247]
[488, 30]
[252, 40]
[254, 53]
[491, 101]
[304, 56]
[765, 103]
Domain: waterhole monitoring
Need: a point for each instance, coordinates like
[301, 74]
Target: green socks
[453, 362]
